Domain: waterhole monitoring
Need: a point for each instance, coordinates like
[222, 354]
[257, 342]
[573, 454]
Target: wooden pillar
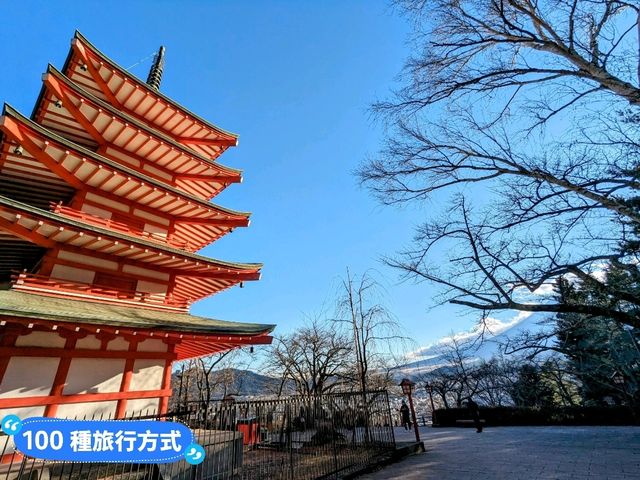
[121, 408]
[60, 379]
[163, 407]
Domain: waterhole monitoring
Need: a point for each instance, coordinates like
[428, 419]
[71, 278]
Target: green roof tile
[54, 309]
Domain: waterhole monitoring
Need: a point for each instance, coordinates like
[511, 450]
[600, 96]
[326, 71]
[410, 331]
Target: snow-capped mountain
[495, 334]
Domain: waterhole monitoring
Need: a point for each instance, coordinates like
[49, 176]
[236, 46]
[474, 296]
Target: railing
[64, 288]
[120, 227]
[332, 436]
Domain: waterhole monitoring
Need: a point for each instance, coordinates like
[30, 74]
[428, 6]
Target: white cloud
[490, 327]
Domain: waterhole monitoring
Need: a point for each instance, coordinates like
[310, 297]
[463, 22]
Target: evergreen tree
[603, 354]
[530, 389]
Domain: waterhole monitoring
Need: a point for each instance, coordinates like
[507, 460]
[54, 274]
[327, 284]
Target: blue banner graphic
[121, 441]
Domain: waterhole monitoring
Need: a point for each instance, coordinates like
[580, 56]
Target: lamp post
[407, 388]
[429, 389]
[618, 378]
[619, 381]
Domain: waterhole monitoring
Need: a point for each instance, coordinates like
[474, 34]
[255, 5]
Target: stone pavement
[513, 453]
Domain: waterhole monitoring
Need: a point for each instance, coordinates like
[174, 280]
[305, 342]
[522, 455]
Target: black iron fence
[331, 436]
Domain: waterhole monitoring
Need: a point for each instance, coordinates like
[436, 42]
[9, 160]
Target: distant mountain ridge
[236, 382]
[249, 384]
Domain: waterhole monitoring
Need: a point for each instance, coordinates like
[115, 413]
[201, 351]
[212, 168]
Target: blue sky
[294, 80]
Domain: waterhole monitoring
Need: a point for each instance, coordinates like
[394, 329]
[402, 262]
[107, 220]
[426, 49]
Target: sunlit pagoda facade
[105, 196]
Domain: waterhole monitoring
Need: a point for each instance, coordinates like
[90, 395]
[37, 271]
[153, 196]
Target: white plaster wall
[147, 375]
[148, 227]
[88, 410]
[72, 274]
[23, 412]
[118, 343]
[94, 375]
[152, 345]
[141, 405]
[87, 260]
[33, 376]
[90, 342]
[151, 287]
[28, 377]
[146, 272]
[40, 339]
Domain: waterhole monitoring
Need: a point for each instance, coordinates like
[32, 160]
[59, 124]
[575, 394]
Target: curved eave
[73, 113]
[25, 178]
[80, 41]
[53, 309]
[192, 264]
[122, 169]
[128, 119]
[185, 346]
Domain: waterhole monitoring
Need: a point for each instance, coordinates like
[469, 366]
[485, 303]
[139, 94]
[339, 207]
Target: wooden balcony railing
[118, 226]
[74, 290]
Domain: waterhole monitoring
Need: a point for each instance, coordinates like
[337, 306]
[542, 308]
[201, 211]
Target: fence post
[334, 442]
[393, 433]
[331, 453]
[289, 442]
[234, 441]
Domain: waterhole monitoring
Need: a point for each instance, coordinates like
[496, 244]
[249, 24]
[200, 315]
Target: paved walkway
[527, 453]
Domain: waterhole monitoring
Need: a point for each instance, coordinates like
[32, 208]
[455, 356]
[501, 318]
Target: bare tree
[494, 378]
[374, 331]
[214, 376]
[315, 357]
[461, 373]
[204, 378]
[537, 102]
[442, 387]
[497, 382]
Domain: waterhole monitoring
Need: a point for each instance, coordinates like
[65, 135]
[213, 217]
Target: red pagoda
[104, 199]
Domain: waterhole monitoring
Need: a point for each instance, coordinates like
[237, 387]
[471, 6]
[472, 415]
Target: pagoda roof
[94, 70]
[196, 276]
[197, 221]
[24, 178]
[198, 335]
[85, 119]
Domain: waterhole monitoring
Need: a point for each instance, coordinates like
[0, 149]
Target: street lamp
[429, 389]
[618, 378]
[407, 388]
[619, 381]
